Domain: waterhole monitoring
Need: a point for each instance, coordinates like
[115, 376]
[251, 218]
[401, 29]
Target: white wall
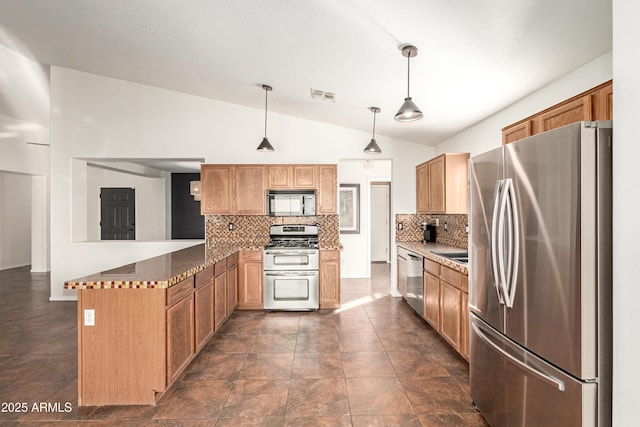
[15, 220]
[626, 203]
[488, 134]
[94, 116]
[150, 202]
[357, 247]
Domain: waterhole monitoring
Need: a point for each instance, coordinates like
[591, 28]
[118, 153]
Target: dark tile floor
[371, 363]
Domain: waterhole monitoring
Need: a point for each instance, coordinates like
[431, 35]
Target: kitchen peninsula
[141, 324]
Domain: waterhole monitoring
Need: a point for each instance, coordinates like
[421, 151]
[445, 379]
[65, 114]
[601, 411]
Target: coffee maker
[429, 232]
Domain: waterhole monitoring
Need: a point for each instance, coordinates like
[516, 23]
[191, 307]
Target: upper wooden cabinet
[216, 187]
[594, 104]
[305, 176]
[250, 188]
[240, 189]
[441, 184]
[326, 196]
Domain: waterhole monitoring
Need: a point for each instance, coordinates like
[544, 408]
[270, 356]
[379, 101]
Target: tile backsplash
[455, 235]
[253, 230]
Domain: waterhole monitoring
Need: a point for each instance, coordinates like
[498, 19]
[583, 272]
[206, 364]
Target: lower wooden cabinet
[250, 288]
[329, 279]
[232, 288]
[450, 314]
[446, 304]
[220, 300]
[464, 325]
[203, 314]
[402, 276]
[180, 337]
[432, 300]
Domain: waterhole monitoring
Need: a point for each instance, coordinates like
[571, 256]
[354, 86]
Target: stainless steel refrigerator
[540, 265]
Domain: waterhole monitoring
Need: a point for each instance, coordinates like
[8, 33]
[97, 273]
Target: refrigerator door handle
[502, 279]
[545, 377]
[514, 243]
[494, 239]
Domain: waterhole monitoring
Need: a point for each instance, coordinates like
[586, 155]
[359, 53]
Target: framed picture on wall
[350, 208]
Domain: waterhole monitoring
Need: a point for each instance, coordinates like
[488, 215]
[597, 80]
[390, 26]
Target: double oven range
[291, 263]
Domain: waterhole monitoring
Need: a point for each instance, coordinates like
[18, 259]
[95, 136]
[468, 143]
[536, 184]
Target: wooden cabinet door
[437, 185]
[326, 202]
[232, 289]
[432, 300]
[305, 176]
[329, 279]
[203, 314]
[516, 132]
[216, 188]
[450, 297]
[180, 337]
[464, 325]
[220, 300]
[279, 177]
[250, 197]
[422, 188]
[250, 291]
[604, 103]
[402, 276]
[571, 112]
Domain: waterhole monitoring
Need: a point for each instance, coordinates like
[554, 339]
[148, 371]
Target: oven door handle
[296, 252]
[291, 273]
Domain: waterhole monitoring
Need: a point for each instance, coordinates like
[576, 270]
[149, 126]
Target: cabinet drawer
[181, 289]
[232, 260]
[221, 267]
[432, 267]
[329, 255]
[205, 276]
[252, 256]
[450, 276]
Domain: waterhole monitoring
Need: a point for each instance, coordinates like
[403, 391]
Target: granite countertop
[162, 271]
[426, 250]
[166, 270]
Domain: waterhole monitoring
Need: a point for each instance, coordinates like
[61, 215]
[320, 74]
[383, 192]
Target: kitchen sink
[458, 256]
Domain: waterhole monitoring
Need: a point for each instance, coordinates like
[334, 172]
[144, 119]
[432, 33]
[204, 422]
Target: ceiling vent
[323, 95]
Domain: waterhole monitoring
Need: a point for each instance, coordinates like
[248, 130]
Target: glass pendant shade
[408, 112]
[265, 145]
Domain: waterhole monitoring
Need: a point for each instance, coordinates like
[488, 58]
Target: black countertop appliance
[429, 232]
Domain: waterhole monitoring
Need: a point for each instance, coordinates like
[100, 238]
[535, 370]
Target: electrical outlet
[231, 226]
[90, 317]
[400, 226]
[437, 222]
[445, 226]
[466, 228]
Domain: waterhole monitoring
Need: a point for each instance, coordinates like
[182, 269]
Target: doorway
[117, 213]
[380, 221]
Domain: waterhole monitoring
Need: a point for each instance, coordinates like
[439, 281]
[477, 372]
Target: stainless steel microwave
[291, 202]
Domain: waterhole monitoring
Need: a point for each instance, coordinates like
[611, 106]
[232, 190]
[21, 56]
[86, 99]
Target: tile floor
[371, 363]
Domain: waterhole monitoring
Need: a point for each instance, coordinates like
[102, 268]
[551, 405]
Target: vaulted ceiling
[475, 57]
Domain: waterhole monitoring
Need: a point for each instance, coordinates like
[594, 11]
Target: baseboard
[70, 298]
[9, 267]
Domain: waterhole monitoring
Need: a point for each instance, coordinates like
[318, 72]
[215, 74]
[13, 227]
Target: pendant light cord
[373, 136]
[408, 73]
[266, 93]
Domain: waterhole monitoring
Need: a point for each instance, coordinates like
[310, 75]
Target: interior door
[380, 222]
[117, 213]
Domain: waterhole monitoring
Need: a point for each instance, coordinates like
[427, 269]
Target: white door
[380, 222]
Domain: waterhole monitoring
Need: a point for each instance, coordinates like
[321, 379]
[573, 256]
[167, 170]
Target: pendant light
[265, 145]
[409, 111]
[373, 147]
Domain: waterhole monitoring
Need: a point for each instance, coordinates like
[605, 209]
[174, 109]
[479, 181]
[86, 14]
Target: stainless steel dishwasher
[415, 284]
